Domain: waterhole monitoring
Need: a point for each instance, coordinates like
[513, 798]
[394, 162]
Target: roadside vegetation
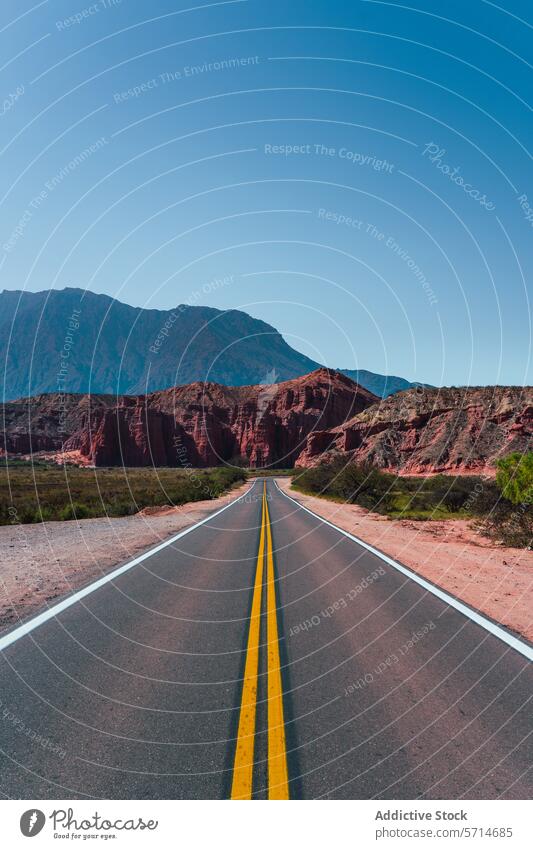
[511, 520]
[40, 492]
[501, 507]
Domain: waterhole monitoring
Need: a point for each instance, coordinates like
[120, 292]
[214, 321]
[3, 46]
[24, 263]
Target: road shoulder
[42, 563]
[494, 580]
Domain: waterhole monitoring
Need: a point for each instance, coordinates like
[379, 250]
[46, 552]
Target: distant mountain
[72, 340]
[105, 346]
[382, 384]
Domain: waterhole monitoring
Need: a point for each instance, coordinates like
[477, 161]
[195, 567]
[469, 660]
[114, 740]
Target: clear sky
[355, 173]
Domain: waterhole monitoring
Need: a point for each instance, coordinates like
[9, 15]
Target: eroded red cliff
[301, 421]
[195, 425]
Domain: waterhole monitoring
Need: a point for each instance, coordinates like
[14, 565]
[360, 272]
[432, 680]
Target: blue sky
[356, 173]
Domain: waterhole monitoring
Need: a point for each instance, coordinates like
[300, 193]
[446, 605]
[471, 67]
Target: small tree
[515, 477]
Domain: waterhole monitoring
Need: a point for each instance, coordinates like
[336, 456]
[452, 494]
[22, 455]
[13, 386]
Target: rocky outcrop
[302, 421]
[201, 424]
[425, 431]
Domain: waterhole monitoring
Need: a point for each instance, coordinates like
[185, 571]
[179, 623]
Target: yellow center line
[241, 787]
[278, 777]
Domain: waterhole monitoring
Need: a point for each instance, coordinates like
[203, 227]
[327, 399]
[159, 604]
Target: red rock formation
[302, 421]
[426, 431]
[201, 424]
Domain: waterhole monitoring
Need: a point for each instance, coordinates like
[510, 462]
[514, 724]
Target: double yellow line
[278, 777]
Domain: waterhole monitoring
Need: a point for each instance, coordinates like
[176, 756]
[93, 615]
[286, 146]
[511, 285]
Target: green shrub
[515, 477]
[74, 510]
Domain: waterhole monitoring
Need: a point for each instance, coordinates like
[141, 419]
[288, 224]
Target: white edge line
[500, 633]
[51, 612]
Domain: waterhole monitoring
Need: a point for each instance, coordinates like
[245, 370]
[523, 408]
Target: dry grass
[39, 492]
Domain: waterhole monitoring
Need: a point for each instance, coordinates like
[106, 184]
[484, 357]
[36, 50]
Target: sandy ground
[497, 581]
[41, 563]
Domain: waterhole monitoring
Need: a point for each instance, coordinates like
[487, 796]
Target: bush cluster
[502, 507]
[410, 497]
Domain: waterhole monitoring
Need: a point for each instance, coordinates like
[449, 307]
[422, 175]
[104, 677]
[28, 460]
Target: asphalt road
[266, 655]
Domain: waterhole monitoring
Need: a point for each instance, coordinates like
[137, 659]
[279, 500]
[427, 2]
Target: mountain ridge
[120, 349]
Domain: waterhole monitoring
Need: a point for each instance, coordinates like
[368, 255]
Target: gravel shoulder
[41, 563]
[495, 580]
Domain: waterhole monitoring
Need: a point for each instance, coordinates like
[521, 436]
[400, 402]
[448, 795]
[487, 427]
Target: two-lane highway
[263, 654]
